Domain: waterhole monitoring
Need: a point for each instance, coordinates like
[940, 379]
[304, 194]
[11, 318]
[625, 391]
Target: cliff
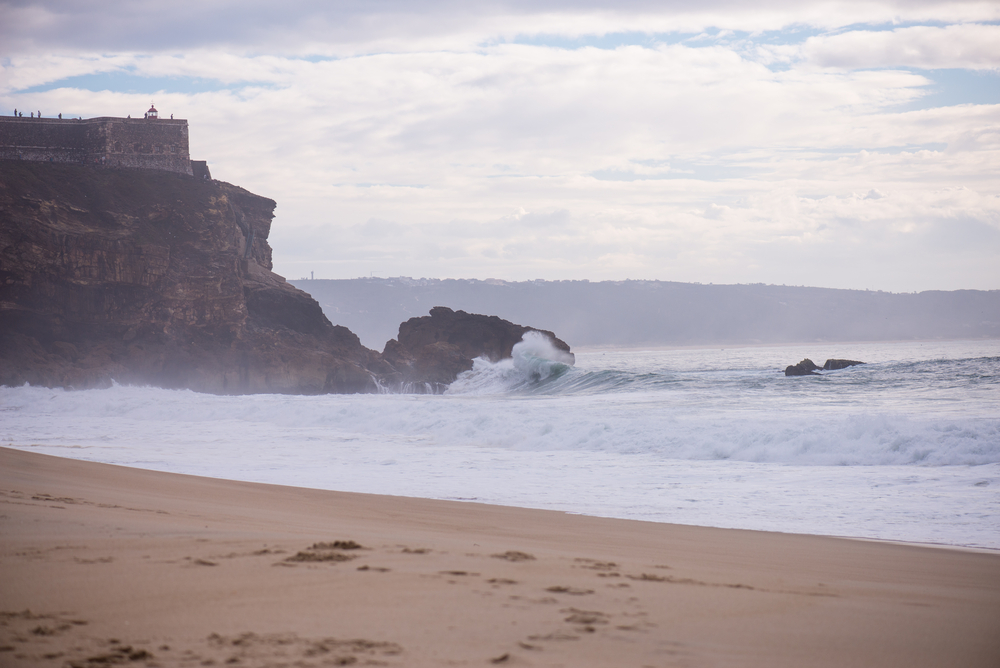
[156, 278]
[153, 278]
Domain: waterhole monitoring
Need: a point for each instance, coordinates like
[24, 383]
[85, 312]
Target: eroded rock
[156, 278]
[804, 368]
[149, 277]
[833, 365]
[808, 368]
[432, 350]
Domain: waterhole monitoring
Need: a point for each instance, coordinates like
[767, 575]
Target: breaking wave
[534, 364]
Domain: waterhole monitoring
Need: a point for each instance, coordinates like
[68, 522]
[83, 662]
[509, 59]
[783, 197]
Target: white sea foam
[900, 448]
[534, 362]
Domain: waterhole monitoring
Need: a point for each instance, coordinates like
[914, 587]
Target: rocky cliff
[150, 277]
[146, 277]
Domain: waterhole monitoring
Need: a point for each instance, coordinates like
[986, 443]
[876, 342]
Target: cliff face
[158, 278]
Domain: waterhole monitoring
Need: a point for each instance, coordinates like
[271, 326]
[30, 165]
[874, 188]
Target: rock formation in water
[833, 365]
[155, 278]
[149, 277]
[432, 350]
[808, 368]
[804, 368]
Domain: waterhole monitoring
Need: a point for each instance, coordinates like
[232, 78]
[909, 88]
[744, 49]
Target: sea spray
[534, 362]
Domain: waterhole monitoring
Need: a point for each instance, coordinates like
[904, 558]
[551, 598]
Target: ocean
[905, 447]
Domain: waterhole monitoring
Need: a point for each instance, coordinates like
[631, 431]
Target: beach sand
[104, 565]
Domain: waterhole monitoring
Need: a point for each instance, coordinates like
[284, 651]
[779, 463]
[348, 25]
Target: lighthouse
[152, 113]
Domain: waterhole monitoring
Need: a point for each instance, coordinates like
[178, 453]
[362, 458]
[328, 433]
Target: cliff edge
[147, 277]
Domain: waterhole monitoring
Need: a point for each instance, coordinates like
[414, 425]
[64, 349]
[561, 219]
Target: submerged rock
[430, 351]
[808, 368]
[804, 368]
[833, 365]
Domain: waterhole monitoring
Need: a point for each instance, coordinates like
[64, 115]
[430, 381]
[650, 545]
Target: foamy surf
[906, 447]
[534, 362]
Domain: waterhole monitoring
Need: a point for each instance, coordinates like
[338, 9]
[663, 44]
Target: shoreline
[809, 530]
[862, 517]
[182, 570]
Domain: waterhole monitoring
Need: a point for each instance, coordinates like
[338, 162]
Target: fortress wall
[44, 139]
[149, 144]
[116, 142]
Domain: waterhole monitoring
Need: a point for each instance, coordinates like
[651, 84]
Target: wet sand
[104, 565]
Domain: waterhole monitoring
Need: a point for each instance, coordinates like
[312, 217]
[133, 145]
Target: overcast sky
[833, 144]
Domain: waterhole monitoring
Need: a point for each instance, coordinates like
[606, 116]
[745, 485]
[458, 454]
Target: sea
[905, 447]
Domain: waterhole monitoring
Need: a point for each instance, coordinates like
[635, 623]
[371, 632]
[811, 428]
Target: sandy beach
[105, 565]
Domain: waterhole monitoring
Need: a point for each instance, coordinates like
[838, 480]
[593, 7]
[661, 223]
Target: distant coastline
[739, 346]
[662, 314]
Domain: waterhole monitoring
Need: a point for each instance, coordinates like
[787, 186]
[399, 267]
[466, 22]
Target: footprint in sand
[331, 552]
[513, 555]
[572, 591]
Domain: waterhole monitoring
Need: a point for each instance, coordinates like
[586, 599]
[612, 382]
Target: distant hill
[659, 313]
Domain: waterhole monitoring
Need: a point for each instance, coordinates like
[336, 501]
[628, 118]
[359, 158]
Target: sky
[830, 144]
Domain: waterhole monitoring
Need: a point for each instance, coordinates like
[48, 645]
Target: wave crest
[534, 363]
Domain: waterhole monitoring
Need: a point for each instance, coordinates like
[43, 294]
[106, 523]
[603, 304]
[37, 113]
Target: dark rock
[808, 368]
[156, 278]
[833, 365]
[431, 351]
[804, 368]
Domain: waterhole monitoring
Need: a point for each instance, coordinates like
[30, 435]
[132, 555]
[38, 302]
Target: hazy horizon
[848, 145]
[659, 313]
[373, 277]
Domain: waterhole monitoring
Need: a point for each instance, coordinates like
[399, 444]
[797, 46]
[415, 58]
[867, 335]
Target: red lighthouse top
[152, 113]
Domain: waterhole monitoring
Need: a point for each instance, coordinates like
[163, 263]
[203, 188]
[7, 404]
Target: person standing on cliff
[15, 113]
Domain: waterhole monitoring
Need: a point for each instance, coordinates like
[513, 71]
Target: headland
[157, 277]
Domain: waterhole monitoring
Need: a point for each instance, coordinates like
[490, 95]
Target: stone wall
[113, 142]
[200, 169]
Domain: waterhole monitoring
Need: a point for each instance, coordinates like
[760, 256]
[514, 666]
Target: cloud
[348, 27]
[967, 46]
[424, 139]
